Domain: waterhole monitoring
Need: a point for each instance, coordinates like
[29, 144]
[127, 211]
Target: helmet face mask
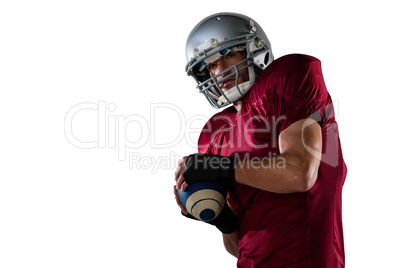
[211, 86]
[214, 37]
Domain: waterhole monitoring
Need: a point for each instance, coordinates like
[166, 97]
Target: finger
[180, 167]
[179, 181]
[177, 173]
[184, 186]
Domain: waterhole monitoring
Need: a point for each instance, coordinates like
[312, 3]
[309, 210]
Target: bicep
[303, 140]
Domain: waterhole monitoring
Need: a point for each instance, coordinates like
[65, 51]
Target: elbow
[306, 173]
[306, 179]
[307, 184]
[230, 245]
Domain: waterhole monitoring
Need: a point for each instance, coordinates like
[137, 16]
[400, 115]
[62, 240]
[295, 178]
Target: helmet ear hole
[266, 59]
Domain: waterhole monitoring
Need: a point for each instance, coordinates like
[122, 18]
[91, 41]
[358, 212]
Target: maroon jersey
[284, 230]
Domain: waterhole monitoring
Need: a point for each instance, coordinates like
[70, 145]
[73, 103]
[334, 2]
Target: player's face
[225, 62]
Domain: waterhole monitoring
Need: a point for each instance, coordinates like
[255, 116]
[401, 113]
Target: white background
[65, 206]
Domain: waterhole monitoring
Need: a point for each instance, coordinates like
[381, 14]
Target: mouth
[227, 84]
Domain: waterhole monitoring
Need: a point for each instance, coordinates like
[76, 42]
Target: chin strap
[233, 93]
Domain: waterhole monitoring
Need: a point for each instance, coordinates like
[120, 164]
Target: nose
[220, 67]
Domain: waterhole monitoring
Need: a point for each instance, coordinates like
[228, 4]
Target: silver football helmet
[214, 37]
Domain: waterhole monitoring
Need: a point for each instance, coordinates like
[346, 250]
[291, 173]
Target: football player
[276, 144]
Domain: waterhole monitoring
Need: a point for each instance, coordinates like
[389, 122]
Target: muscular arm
[300, 148]
[295, 169]
[231, 242]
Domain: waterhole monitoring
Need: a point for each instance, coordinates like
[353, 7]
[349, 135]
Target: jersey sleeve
[298, 92]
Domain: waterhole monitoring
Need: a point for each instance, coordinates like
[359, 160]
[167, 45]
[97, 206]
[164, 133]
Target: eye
[211, 66]
[229, 55]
